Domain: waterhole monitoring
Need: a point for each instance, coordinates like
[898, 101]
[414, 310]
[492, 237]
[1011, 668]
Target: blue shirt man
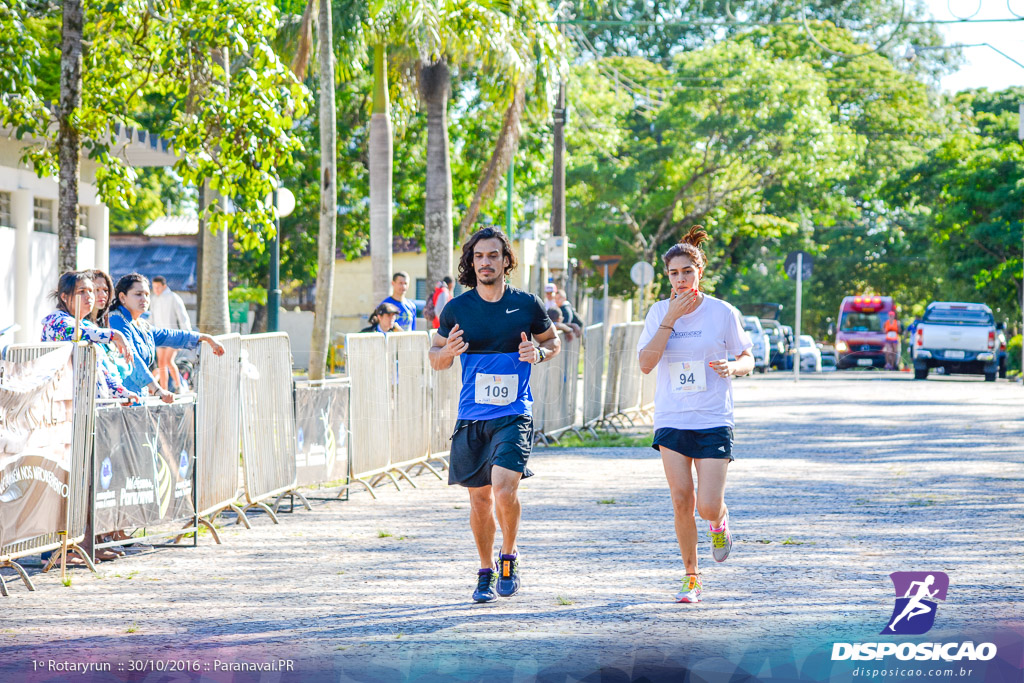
[407, 309]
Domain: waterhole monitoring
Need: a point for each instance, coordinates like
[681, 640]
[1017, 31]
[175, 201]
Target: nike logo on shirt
[511, 311]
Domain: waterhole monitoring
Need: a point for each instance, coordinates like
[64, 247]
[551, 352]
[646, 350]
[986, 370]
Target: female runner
[689, 338]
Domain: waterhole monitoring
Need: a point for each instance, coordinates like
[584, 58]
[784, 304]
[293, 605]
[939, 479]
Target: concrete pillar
[98, 222]
[21, 218]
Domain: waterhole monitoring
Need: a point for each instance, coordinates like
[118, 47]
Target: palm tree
[381, 157]
[517, 45]
[328, 197]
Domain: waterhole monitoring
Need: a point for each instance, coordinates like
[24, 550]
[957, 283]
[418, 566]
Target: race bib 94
[687, 376]
[496, 390]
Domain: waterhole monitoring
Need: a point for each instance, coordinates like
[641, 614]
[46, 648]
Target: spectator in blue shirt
[407, 309]
[131, 300]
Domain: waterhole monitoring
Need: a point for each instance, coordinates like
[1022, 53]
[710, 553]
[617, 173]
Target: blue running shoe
[508, 575]
[485, 580]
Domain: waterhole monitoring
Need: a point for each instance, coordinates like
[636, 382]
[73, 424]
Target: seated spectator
[569, 316]
[76, 292]
[383, 319]
[555, 314]
[131, 300]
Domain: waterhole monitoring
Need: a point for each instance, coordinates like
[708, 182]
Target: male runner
[490, 326]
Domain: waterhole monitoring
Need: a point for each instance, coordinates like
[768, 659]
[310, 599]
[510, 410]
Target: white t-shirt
[690, 395]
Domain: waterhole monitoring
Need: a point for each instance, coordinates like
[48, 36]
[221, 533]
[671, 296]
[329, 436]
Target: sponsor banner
[35, 445]
[321, 431]
[144, 465]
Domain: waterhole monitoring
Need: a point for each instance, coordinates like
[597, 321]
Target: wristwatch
[541, 353]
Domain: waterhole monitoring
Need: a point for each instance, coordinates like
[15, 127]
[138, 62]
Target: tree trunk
[434, 89]
[328, 199]
[213, 309]
[68, 145]
[381, 161]
[501, 159]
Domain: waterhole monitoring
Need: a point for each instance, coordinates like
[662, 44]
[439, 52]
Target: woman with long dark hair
[75, 298]
[131, 300]
[689, 338]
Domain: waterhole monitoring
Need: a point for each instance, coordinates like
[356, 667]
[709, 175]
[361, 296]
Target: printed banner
[144, 465]
[35, 445]
[321, 430]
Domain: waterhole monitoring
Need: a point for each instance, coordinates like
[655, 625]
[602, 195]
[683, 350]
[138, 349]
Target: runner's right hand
[679, 304]
[455, 346]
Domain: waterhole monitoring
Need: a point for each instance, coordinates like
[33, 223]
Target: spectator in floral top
[131, 300]
[76, 292]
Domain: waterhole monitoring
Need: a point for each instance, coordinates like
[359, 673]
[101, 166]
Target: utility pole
[558, 175]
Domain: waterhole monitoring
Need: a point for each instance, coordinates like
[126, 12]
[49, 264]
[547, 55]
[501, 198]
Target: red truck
[860, 339]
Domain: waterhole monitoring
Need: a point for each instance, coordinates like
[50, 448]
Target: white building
[28, 226]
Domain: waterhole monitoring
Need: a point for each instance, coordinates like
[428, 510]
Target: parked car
[810, 355]
[779, 343]
[761, 344]
[959, 338]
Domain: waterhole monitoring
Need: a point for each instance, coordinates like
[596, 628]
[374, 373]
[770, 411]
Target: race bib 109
[496, 390]
[687, 376]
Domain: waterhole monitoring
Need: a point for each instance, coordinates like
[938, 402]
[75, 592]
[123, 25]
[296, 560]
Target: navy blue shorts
[715, 442]
[478, 445]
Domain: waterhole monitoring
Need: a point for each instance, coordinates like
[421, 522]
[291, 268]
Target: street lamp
[283, 203]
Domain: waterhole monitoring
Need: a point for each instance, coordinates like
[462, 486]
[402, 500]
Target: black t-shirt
[494, 332]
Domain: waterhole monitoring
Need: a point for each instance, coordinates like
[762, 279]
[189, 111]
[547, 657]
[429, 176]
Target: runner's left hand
[528, 352]
[722, 367]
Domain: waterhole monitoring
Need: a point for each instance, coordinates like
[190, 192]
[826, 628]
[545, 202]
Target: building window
[83, 221]
[5, 209]
[42, 215]
[421, 289]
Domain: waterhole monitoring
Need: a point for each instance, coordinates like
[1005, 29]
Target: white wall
[6, 278]
[44, 276]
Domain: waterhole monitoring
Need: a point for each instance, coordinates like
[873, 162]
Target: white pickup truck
[959, 338]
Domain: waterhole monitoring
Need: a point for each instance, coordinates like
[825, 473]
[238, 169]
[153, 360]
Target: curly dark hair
[467, 274]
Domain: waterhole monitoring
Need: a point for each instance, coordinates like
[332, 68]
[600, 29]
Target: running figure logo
[914, 612]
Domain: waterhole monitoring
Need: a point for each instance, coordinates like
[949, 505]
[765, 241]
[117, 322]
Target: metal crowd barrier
[445, 388]
[268, 420]
[369, 425]
[593, 375]
[410, 418]
[616, 342]
[322, 410]
[77, 511]
[124, 436]
[218, 431]
[630, 378]
[555, 388]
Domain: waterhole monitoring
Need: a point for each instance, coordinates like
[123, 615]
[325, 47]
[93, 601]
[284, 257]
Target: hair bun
[696, 236]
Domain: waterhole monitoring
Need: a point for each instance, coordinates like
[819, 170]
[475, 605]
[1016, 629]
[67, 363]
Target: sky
[983, 67]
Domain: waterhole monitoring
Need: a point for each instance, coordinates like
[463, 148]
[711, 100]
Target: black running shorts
[478, 445]
[715, 442]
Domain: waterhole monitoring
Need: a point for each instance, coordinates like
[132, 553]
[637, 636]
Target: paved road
[838, 482]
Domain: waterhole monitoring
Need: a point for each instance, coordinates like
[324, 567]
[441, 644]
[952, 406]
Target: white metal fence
[267, 421]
